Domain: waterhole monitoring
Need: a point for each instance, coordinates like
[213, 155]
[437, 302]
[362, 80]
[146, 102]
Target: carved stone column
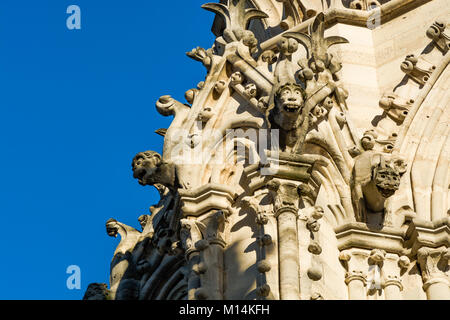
[286, 199]
[355, 262]
[213, 255]
[191, 238]
[434, 266]
[209, 206]
[392, 284]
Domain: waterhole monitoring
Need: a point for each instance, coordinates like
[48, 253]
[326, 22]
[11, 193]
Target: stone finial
[317, 44]
[236, 17]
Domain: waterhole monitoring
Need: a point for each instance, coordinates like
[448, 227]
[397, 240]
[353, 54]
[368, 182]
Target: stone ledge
[195, 202]
[358, 235]
[421, 233]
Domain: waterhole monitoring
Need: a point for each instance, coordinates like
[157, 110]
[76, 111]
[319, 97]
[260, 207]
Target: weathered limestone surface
[312, 162]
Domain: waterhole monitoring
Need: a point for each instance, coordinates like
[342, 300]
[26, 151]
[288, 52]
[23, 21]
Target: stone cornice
[423, 233]
[389, 11]
[195, 202]
[358, 235]
[403, 241]
[292, 166]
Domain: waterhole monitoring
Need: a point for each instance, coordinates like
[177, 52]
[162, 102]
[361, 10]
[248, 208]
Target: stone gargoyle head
[145, 165]
[289, 104]
[150, 169]
[387, 175]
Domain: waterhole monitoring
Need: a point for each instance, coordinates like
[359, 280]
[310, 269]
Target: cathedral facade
[312, 162]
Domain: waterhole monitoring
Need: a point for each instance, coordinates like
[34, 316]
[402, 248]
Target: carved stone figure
[289, 103]
[149, 168]
[376, 177]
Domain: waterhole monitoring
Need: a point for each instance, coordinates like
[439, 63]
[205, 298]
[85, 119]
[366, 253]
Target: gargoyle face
[289, 102]
[237, 78]
[251, 90]
[387, 180]
[145, 165]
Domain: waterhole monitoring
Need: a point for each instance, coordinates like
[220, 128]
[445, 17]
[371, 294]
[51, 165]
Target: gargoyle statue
[376, 177]
[289, 114]
[123, 282]
[150, 169]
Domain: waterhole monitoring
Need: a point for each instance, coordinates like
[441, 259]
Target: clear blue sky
[76, 106]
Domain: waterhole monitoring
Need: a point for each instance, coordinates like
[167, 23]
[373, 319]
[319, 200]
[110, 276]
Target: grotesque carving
[289, 102]
[237, 19]
[149, 168]
[387, 179]
[220, 86]
[289, 114]
[123, 265]
[440, 39]
[296, 107]
[251, 90]
[412, 70]
[396, 108]
[376, 177]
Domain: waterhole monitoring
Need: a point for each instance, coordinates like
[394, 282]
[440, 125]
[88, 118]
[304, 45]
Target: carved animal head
[145, 166]
[237, 78]
[387, 178]
[289, 103]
